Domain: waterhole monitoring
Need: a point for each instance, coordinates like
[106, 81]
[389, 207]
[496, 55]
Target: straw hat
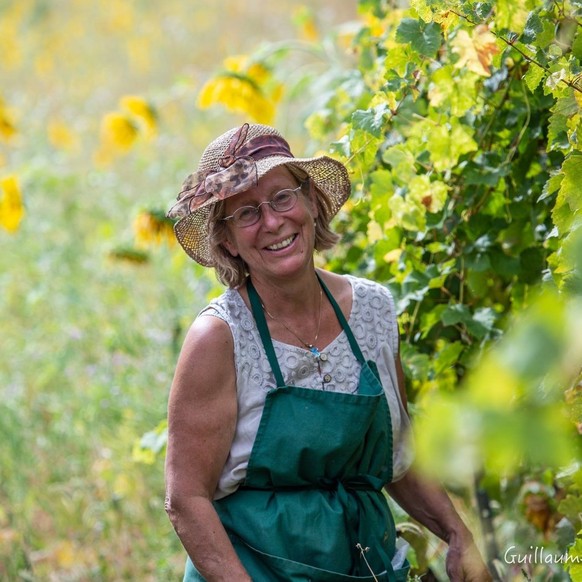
[235, 162]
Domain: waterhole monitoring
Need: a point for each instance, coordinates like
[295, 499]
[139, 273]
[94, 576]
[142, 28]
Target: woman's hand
[428, 503]
[464, 562]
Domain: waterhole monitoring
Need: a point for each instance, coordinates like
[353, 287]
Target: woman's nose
[271, 218]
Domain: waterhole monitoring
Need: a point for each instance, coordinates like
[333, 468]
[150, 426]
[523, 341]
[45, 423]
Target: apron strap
[259, 316]
[343, 322]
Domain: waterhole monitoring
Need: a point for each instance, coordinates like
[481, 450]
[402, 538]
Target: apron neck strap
[259, 315]
[343, 322]
[261, 321]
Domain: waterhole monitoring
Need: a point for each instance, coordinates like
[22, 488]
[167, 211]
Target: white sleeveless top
[373, 323]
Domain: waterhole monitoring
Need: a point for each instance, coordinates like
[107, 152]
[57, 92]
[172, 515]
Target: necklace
[310, 346]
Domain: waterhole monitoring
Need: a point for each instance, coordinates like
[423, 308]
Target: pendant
[315, 351]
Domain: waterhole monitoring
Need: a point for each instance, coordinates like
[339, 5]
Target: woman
[287, 414]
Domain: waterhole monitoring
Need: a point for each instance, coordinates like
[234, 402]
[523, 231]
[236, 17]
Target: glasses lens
[246, 215]
[284, 200]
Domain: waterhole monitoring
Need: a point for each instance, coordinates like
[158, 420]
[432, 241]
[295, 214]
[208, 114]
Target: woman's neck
[296, 296]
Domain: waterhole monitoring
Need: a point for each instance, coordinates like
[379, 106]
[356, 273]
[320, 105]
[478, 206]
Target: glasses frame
[257, 208]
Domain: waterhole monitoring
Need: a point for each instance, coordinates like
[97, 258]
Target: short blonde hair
[232, 271]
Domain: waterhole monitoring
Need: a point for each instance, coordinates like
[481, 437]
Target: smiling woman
[281, 441]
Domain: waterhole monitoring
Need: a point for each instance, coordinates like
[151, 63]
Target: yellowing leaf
[11, 206]
[375, 232]
[447, 143]
[432, 195]
[511, 14]
[447, 19]
[476, 51]
[407, 213]
[453, 89]
[393, 255]
[421, 8]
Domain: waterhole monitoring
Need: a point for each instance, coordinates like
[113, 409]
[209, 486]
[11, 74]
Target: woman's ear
[230, 247]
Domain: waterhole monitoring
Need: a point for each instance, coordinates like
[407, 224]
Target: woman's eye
[281, 198]
[246, 212]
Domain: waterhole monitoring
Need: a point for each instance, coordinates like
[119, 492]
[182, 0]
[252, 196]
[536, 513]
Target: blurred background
[459, 124]
[99, 125]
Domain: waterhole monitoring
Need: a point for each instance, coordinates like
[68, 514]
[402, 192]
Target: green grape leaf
[422, 37]
[402, 161]
[533, 76]
[533, 28]
[577, 45]
[455, 314]
[570, 189]
[408, 214]
[447, 355]
[370, 120]
[557, 132]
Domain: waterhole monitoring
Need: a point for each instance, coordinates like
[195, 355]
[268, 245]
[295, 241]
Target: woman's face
[279, 244]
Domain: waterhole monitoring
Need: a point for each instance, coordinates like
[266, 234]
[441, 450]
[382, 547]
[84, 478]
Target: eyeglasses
[282, 201]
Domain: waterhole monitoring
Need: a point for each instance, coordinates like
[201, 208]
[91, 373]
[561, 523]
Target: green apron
[313, 491]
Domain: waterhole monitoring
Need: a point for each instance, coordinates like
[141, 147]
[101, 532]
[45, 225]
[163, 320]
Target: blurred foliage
[459, 122]
[98, 128]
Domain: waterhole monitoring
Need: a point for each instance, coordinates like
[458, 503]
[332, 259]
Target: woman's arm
[429, 504]
[202, 413]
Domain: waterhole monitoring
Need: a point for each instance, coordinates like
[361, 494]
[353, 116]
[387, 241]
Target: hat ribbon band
[239, 174]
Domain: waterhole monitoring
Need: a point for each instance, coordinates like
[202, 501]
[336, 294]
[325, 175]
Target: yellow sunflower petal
[11, 206]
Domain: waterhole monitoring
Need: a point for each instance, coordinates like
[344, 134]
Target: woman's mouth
[281, 245]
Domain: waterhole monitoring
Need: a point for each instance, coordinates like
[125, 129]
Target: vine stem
[413, 321]
[522, 53]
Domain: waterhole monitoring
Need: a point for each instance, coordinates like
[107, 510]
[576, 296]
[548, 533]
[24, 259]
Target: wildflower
[11, 206]
[303, 18]
[141, 112]
[244, 86]
[118, 131]
[7, 127]
[152, 227]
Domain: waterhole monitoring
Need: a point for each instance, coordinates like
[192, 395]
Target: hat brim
[328, 175]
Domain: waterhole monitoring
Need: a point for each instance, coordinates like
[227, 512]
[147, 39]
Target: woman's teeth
[282, 244]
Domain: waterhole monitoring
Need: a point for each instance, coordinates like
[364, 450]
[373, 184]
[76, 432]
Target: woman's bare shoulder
[339, 287]
[208, 346]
